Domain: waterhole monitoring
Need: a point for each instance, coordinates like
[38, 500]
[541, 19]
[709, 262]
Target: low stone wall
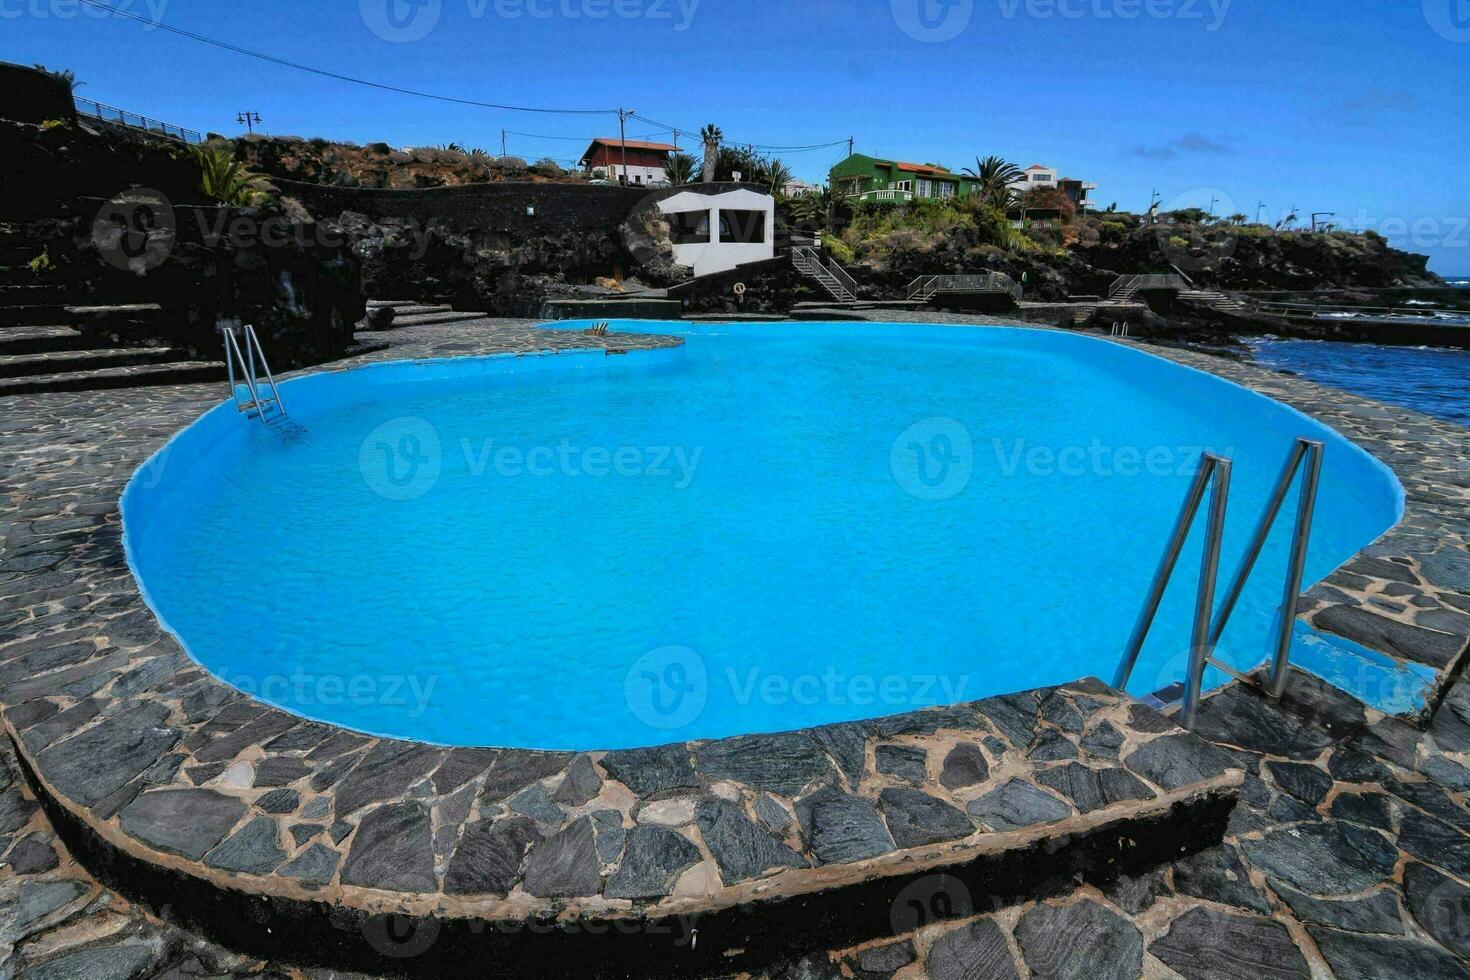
[517, 211]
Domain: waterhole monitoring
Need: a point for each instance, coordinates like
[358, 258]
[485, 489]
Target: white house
[1037, 175]
[716, 232]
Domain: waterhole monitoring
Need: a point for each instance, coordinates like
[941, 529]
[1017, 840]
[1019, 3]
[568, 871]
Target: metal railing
[833, 278]
[1214, 474]
[992, 282]
[133, 120]
[1125, 286]
[1123, 329]
[885, 195]
[243, 364]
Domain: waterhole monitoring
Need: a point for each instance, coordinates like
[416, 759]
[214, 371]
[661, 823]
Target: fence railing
[133, 120]
[994, 282]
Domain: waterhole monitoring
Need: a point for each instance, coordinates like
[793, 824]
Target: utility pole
[623, 115]
[1259, 208]
[503, 154]
[849, 146]
[1214, 200]
[249, 119]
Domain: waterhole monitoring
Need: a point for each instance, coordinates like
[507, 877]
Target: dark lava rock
[1080, 941]
[515, 769]
[964, 766]
[1239, 716]
[1052, 746]
[313, 866]
[882, 962]
[488, 859]
[116, 962]
[183, 821]
[1016, 715]
[1434, 842]
[607, 829]
[977, 951]
[903, 761]
[1441, 905]
[1219, 875]
[32, 855]
[536, 803]
[915, 818]
[253, 849]
[1369, 809]
[279, 770]
[565, 866]
[1324, 859]
[1353, 956]
[740, 848]
[813, 966]
[1104, 741]
[1017, 804]
[842, 828]
[460, 766]
[1204, 944]
[582, 783]
[1142, 718]
[650, 771]
[785, 763]
[772, 814]
[393, 850]
[1438, 650]
[1093, 789]
[1175, 761]
[1136, 894]
[91, 766]
[1377, 913]
[848, 746]
[385, 773]
[279, 801]
[1351, 765]
[653, 859]
[1305, 782]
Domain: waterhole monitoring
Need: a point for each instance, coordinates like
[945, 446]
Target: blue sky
[1353, 106]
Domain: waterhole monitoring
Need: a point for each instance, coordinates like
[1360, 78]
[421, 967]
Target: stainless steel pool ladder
[1214, 475]
[242, 357]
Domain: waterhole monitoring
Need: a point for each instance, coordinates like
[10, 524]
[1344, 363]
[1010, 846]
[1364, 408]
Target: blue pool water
[772, 527]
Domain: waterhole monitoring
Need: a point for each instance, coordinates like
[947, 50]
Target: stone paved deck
[93, 689]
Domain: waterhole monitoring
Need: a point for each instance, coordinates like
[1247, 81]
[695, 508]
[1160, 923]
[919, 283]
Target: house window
[743, 227]
[689, 227]
[1039, 178]
[926, 188]
[945, 190]
[905, 185]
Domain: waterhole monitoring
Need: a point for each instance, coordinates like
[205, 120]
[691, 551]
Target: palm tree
[996, 175]
[681, 169]
[226, 179]
[712, 137]
[777, 175]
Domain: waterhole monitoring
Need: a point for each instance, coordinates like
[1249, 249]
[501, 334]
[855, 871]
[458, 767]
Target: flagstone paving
[1347, 855]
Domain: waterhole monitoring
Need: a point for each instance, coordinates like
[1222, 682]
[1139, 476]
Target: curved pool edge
[162, 718]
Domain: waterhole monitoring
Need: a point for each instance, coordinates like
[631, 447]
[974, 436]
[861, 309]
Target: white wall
[717, 256]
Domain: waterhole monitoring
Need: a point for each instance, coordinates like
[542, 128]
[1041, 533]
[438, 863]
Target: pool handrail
[1305, 457]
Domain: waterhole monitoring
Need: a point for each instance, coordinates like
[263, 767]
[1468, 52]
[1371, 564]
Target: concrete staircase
[1214, 299]
[42, 349]
[411, 313]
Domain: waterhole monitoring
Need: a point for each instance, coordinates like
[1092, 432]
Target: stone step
[35, 293]
[40, 340]
[432, 319]
[417, 310]
[72, 361]
[137, 376]
[39, 315]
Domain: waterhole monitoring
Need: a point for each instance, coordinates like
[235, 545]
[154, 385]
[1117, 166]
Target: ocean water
[772, 527]
[1432, 380]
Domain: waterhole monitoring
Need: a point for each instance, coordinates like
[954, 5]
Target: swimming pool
[769, 528]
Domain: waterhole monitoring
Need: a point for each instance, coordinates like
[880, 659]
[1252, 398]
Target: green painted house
[865, 178]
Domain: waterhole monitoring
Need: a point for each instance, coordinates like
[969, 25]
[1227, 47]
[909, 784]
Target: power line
[115, 11]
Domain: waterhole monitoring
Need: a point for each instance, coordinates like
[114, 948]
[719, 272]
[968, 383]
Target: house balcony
[901, 197]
